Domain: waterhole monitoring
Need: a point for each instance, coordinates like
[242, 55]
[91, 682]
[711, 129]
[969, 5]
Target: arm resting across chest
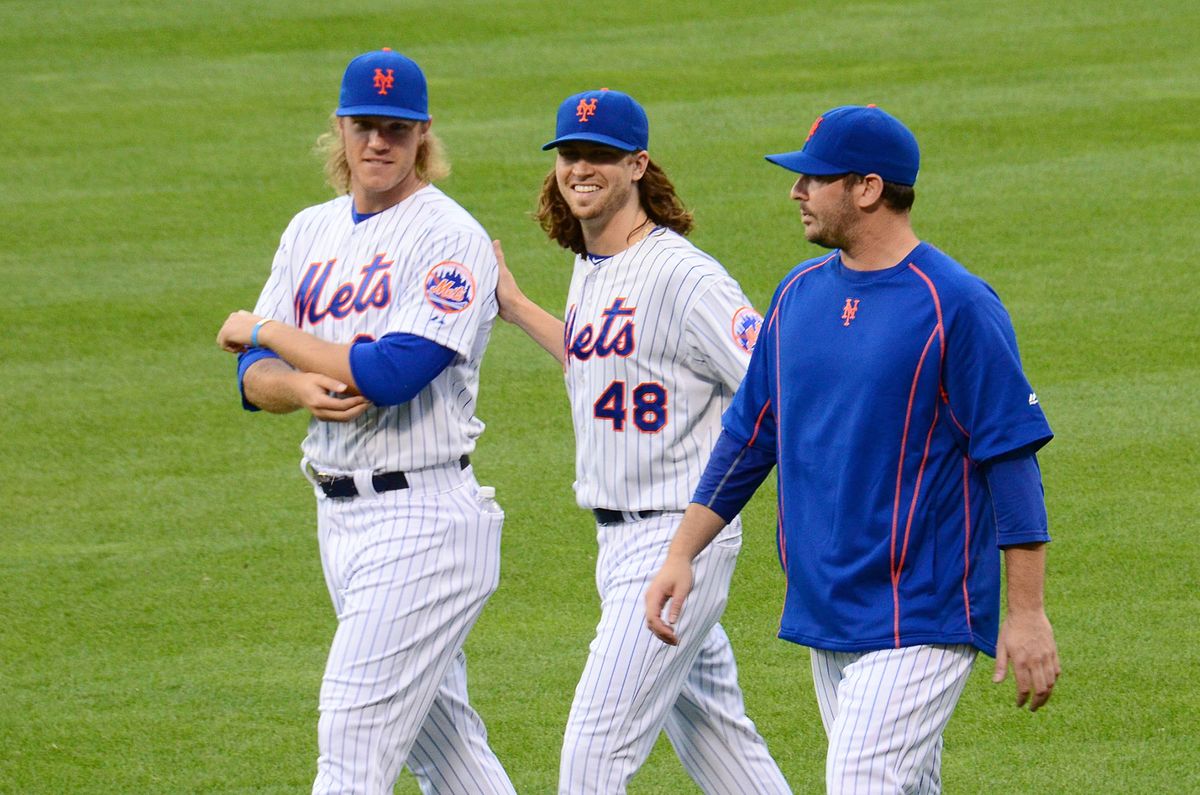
[394, 368]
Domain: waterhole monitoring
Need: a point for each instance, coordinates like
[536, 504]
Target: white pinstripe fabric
[634, 686]
[685, 303]
[409, 572]
[414, 236]
[451, 754]
[884, 713]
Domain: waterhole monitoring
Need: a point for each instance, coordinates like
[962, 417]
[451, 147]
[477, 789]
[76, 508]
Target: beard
[835, 227]
[825, 238]
[614, 198]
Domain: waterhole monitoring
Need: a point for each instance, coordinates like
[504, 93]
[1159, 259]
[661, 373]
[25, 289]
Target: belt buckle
[319, 477]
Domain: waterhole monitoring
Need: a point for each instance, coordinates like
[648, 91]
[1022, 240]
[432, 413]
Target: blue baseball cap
[856, 139]
[384, 83]
[603, 117]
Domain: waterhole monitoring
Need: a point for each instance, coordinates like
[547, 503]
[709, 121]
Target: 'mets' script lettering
[373, 288]
[614, 338]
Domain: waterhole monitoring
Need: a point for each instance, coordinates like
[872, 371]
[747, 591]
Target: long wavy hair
[431, 164]
[655, 192]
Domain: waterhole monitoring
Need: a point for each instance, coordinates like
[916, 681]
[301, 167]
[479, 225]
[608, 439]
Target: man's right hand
[508, 294]
[312, 391]
[673, 582]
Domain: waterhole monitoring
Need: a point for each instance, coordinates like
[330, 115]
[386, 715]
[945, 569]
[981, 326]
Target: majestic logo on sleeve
[615, 338]
[384, 82]
[373, 289]
[585, 110]
[746, 325]
[449, 286]
[850, 310]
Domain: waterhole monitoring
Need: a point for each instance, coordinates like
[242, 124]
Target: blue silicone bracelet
[254, 333]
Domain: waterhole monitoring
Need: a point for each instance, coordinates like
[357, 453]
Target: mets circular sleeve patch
[449, 286]
[745, 326]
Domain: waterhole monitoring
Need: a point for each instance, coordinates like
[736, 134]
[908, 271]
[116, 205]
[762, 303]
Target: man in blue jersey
[887, 389]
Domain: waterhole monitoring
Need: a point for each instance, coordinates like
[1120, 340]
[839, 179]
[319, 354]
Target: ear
[641, 161]
[869, 191]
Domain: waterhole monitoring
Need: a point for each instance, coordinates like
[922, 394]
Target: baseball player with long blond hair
[656, 338]
[374, 319]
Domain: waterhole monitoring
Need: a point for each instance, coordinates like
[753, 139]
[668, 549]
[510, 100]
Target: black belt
[343, 486]
[609, 516]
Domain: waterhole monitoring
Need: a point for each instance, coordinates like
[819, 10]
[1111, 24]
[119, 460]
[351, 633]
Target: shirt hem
[876, 644]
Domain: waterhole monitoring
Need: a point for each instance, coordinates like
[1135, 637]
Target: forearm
[267, 384]
[1026, 638]
[696, 531]
[541, 326]
[733, 473]
[1025, 573]
[308, 353]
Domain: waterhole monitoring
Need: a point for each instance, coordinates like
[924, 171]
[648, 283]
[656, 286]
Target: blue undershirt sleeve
[245, 359]
[1018, 500]
[393, 369]
[734, 472]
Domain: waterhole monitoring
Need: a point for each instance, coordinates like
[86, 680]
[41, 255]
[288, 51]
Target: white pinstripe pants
[634, 686]
[409, 572]
[884, 713]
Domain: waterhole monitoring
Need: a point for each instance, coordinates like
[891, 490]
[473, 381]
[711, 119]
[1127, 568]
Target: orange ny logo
[813, 128]
[850, 310]
[384, 82]
[585, 110]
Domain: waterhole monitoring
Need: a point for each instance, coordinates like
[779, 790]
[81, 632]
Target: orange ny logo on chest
[850, 310]
[615, 337]
[371, 288]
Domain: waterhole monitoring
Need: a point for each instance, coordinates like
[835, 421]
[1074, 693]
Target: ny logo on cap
[585, 110]
[813, 129]
[384, 82]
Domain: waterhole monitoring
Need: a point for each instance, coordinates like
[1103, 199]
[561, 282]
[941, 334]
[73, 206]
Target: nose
[800, 189]
[376, 139]
[581, 168]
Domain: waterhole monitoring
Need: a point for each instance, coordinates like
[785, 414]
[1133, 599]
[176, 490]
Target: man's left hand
[1027, 641]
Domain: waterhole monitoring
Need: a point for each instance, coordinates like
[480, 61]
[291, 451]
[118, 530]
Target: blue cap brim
[382, 110]
[593, 138]
[805, 164]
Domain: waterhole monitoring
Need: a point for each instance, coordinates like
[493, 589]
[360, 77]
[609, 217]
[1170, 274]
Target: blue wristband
[254, 333]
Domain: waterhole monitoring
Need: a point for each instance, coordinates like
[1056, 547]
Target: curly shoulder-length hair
[431, 164]
[655, 191]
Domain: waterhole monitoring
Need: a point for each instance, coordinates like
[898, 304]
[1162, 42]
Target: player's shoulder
[808, 268]
[671, 252]
[313, 222]
[955, 284]
[669, 243]
[816, 264]
[440, 214]
[337, 207]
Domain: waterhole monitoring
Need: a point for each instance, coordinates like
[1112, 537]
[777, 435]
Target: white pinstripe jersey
[657, 339]
[423, 267]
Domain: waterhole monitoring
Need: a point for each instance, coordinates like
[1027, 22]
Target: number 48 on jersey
[649, 406]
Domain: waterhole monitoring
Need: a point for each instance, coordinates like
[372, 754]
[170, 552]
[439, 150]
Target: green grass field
[163, 619]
